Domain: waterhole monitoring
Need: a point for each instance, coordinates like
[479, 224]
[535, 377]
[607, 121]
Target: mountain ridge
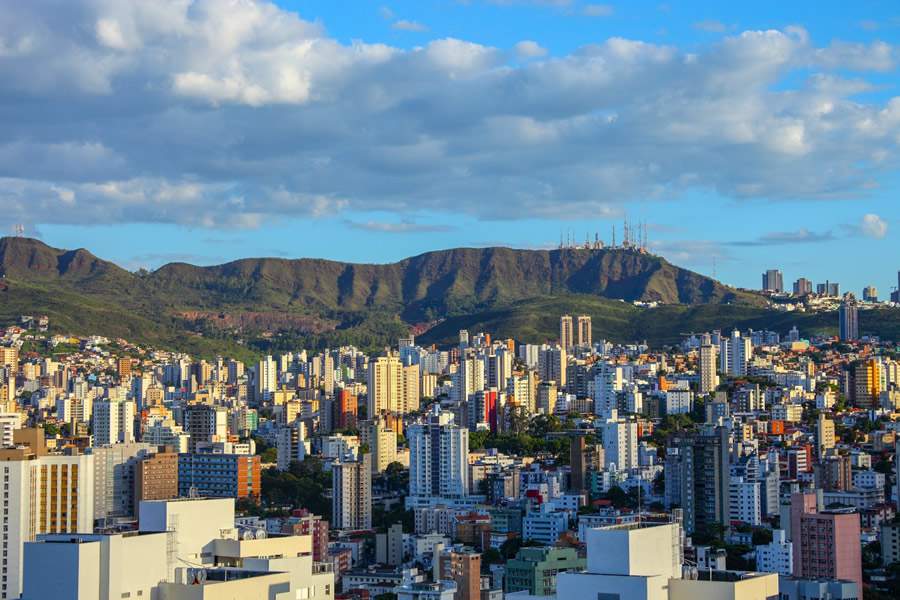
[320, 297]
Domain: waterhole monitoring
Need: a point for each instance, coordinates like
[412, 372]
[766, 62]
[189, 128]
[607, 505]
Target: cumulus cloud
[530, 49]
[222, 113]
[873, 226]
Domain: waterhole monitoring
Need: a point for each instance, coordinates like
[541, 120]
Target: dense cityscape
[737, 460]
[449, 300]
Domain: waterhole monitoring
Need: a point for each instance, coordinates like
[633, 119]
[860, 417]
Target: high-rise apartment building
[213, 475]
[697, 476]
[803, 287]
[831, 289]
[566, 332]
[735, 353]
[381, 440]
[385, 386]
[826, 544]
[41, 494]
[773, 281]
[870, 294]
[620, 443]
[205, 423]
[113, 421]
[156, 476]
[114, 479]
[123, 367]
[585, 336]
[865, 383]
[824, 435]
[464, 567]
[468, 379]
[345, 409]
[438, 462]
[709, 379]
[266, 379]
[351, 502]
[552, 363]
[848, 316]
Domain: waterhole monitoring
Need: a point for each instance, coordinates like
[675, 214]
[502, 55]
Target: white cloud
[222, 113]
[530, 49]
[874, 226]
[598, 10]
[404, 25]
[711, 26]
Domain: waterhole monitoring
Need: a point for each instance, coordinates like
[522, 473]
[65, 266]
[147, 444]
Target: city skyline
[382, 130]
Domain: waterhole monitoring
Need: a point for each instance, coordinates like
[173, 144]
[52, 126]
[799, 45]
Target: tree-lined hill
[279, 302]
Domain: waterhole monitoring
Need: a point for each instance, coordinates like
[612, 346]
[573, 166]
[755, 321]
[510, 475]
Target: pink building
[826, 544]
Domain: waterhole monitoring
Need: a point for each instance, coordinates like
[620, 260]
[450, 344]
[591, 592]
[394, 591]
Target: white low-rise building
[776, 556]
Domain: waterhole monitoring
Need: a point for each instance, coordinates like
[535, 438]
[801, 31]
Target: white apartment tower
[266, 379]
[438, 461]
[620, 444]
[113, 422]
[735, 353]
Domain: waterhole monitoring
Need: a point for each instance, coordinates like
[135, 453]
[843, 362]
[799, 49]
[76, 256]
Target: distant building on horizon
[803, 287]
[773, 281]
[848, 317]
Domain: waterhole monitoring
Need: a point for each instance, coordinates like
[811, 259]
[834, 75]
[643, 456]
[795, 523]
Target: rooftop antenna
[613, 245]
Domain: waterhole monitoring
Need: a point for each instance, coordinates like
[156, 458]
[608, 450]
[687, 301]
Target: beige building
[42, 493]
[385, 386]
[382, 442]
[566, 332]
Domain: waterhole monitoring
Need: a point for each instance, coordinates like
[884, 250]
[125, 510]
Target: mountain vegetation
[267, 304]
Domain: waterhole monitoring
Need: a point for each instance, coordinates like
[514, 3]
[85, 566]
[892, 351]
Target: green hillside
[268, 304]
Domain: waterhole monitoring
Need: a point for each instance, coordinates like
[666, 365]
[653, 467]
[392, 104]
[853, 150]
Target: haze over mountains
[312, 301]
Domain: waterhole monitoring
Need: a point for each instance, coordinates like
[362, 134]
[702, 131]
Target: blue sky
[747, 135]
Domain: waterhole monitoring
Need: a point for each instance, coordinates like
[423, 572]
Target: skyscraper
[620, 438]
[42, 493]
[205, 423]
[824, 435]
[382, 442]
[566, 334]
[351, 501]
[709, 380]
[773, 281]
[848, 316]
[266, 379]
[113, 422]
[438, 460]
[697, 476]
[734, 354]
[870, 294]
[584, 331]
[552, 362]
[802, 287]
[385, 386]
